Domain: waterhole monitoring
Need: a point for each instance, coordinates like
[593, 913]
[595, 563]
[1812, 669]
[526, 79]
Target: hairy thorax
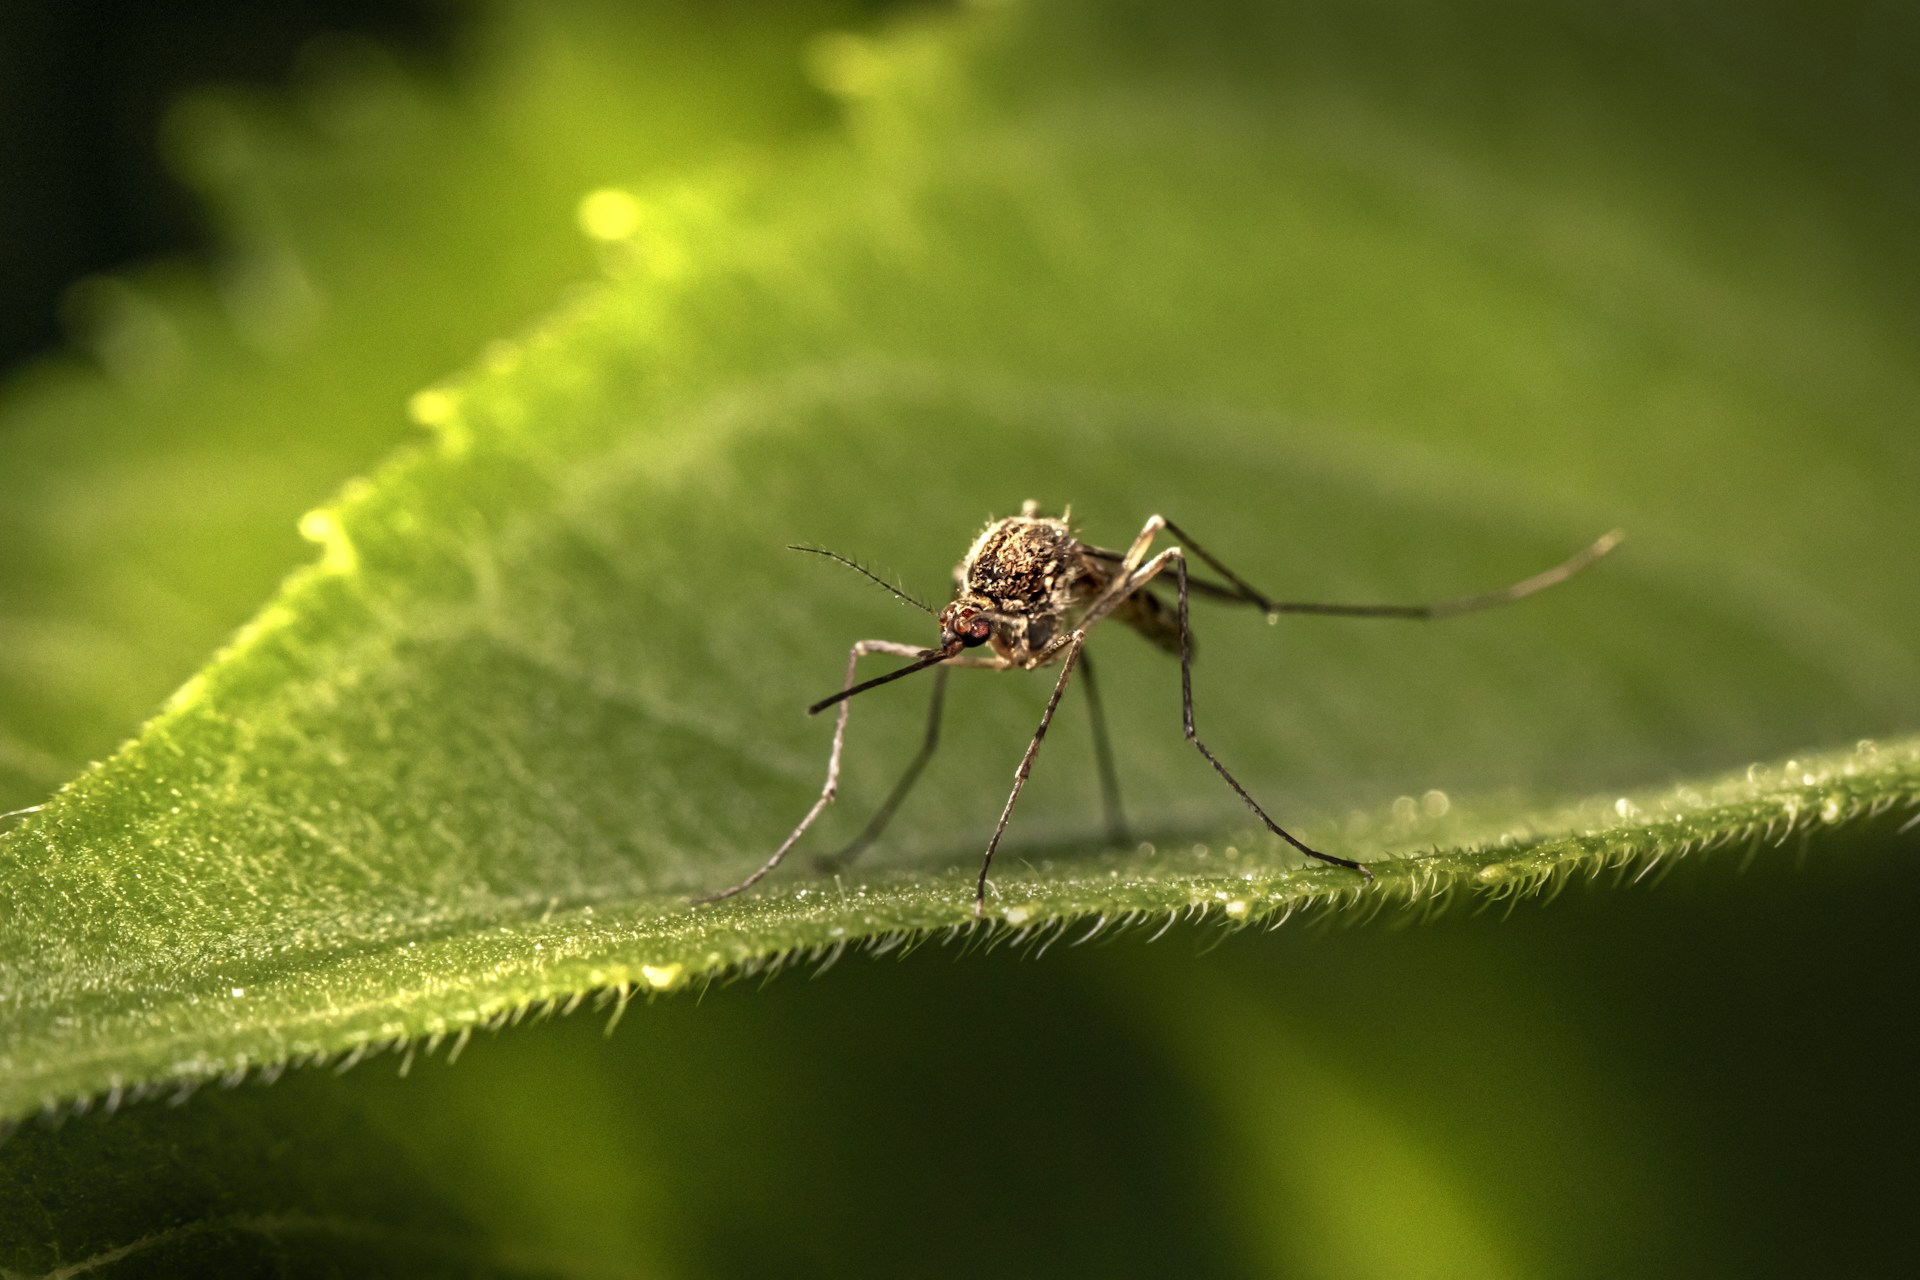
[1029, 574]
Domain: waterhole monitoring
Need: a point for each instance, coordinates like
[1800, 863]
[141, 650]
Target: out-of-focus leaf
[378, 233]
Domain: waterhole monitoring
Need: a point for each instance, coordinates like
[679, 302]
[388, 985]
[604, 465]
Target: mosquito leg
[1242, 587]
[1072, 648]
[859, 650]
[1144, 539]
[1103, 755]
[884, 815]
[1123, 584]
[1243, 590]
[1186, 713]
[1134, 582]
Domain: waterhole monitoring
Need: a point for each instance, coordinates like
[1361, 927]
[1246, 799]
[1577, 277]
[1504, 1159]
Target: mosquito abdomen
[1156, 621]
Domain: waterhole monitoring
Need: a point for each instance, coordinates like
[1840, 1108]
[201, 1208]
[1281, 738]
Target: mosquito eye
[975, 633]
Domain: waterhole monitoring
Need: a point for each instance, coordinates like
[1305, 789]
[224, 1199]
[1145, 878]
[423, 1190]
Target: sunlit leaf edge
[603, 956]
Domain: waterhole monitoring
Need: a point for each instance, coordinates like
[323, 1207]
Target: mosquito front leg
[1134, 582]
[859, 651]
[900, 789]
[1072, 648]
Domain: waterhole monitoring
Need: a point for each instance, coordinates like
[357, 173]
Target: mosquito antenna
[864, 572]
[928, 659]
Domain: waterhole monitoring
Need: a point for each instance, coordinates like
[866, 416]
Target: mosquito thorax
[1023, 564]
[1025, 573]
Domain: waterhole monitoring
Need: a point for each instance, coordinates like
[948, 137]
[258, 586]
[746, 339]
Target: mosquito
[1029, 592]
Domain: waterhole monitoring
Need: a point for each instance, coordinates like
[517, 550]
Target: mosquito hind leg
[1450, 608]
[1141, 541]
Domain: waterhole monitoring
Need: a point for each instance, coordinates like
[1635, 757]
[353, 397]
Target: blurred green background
[1710, 1076]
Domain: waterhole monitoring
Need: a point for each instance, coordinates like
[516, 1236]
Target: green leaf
[1587, 1090]
[543, 684]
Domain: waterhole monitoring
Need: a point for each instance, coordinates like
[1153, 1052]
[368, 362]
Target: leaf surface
[543, 684]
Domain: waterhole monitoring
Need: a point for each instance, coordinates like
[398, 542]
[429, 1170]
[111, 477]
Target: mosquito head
[966, 622]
